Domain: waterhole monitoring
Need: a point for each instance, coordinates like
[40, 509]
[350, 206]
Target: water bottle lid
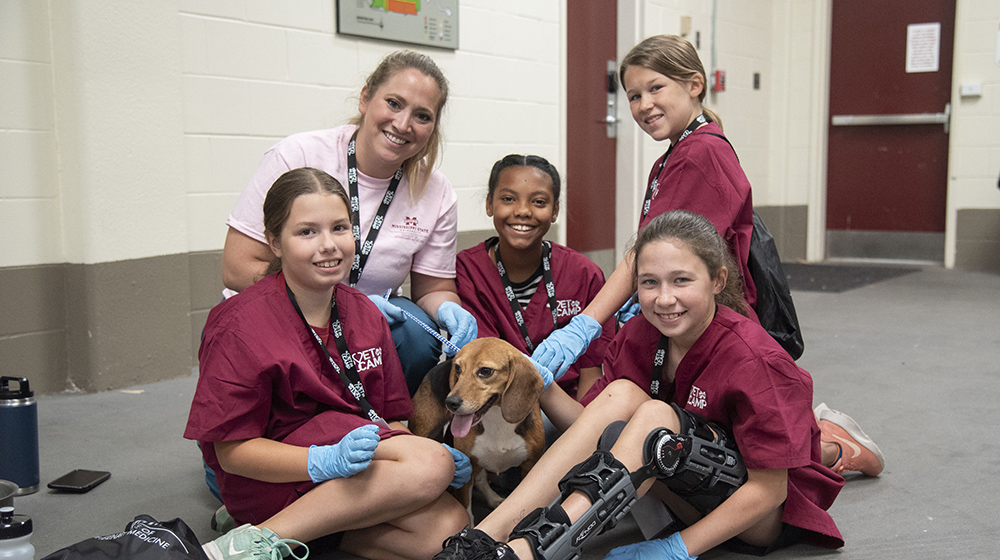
[13, 526]
[23, 388]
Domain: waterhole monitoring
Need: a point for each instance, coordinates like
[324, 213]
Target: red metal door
[590, 158]
[889, 177]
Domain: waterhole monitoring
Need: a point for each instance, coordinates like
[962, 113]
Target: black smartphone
[79, 480]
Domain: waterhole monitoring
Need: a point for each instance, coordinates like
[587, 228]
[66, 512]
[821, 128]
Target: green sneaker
[247, 542]
[222, 522]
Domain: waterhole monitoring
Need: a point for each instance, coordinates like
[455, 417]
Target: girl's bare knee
[654, 414]
[432, 468]
[621, 397]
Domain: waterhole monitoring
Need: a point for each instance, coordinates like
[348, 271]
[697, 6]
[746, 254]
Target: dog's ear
[439, 379]
[523, 388]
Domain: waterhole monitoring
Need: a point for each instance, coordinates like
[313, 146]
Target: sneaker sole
[212, 551]
[852, 428]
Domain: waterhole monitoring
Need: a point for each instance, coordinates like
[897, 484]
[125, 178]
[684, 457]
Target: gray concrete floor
[915, 360]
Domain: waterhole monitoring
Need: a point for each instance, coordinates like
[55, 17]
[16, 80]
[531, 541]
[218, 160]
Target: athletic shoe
[247, 542]
[473, 544]
[222, 522]
[857, 451]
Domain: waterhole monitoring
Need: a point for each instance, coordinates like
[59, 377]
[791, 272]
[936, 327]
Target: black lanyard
[361, 252]
[655, 183]
[656, 376]
[515, 306]
[350, 378]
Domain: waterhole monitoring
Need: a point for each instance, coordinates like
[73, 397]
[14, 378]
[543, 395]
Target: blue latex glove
[459, 323]
[349, 456]
[543, 371]
[392, 313]
[629, 310]
[565, 346]
[670, 548]
[463, 467]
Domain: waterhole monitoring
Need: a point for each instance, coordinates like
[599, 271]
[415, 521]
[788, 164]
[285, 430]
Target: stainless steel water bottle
[15, 536]
[18, 434]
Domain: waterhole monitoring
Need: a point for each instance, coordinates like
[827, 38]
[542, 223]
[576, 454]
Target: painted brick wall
[253, 74]
[29, 197]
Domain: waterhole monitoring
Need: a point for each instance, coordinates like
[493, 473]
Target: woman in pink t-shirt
[405, 211]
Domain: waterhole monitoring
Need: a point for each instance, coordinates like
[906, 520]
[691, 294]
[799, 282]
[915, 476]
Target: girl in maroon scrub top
[520, 287]
[300, 401]
[694, 348]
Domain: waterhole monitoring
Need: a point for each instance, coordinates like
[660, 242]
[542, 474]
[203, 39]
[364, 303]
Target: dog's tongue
[461, 424]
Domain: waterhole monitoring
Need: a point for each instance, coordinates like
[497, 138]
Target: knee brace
[608, 485]
[701, 463]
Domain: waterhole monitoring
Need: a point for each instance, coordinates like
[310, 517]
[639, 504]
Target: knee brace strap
[606, 482]
[594, 476]
[541, 528]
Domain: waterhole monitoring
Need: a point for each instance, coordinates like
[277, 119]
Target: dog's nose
[453, 403]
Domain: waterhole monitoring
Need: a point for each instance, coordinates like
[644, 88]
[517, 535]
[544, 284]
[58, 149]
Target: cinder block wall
[128, 130]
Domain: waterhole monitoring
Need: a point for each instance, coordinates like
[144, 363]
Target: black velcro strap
[594, 477]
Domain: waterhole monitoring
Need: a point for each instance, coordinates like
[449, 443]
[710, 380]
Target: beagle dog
[488, 396]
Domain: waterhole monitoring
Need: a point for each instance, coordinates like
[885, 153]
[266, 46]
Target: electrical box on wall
[719, 81]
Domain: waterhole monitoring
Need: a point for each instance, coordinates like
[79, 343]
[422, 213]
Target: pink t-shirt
[417, 235]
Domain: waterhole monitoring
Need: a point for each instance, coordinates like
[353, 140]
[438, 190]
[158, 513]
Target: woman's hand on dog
[463, 467]
[349, 456]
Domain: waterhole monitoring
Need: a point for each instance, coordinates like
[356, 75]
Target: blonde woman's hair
[418, 168]
[674, 57]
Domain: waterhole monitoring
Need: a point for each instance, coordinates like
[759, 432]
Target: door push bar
[907, 118]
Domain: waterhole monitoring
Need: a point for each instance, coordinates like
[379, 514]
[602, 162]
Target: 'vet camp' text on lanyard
[361, 252]
[515, 306]
[656, 376]
[350, 377]
[655, 183]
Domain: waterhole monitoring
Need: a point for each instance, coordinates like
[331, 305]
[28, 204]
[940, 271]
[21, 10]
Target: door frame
[820, 108]
[630, 177]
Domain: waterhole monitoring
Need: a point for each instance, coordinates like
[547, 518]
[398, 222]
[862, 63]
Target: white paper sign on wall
[923, 47]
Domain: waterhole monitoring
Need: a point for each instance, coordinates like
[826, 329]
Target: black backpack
[143, 539]
[774, 298]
